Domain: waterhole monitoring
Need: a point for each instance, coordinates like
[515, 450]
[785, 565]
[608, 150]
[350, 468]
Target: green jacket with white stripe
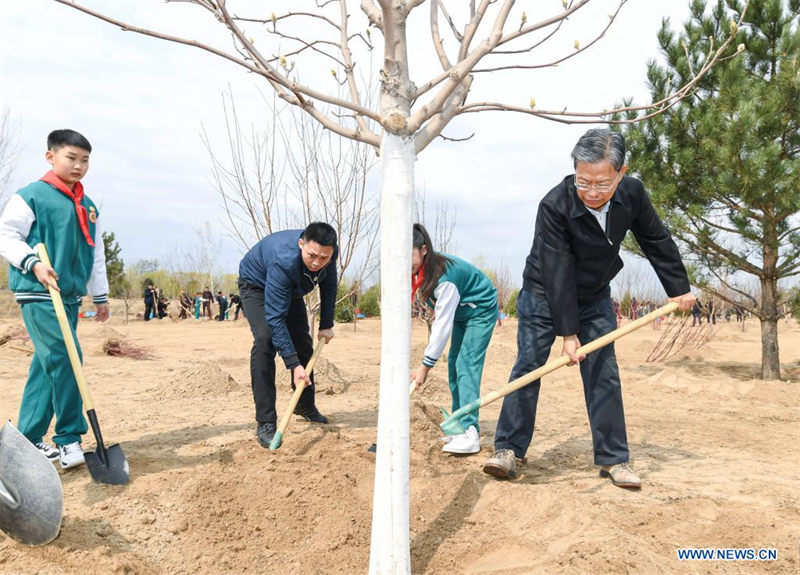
[39, 213]
[462, 292]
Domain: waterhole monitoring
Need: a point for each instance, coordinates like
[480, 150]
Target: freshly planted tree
[723, 165]
[481, 38]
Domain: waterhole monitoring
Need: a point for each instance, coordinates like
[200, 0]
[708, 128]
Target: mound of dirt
[208, 379]
[105, 332]
[424, 428]
[329, 380]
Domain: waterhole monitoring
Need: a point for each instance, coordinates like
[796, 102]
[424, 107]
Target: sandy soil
[717, 450]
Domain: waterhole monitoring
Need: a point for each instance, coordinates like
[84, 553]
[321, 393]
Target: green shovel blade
[276, 441]
[451, 425]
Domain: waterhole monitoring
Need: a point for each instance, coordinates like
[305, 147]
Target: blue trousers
[599, 371]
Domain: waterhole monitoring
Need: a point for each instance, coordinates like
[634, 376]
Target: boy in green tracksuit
[465, 305]
[55, 211]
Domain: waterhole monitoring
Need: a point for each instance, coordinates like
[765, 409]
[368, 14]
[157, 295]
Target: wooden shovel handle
[66, 332]
[299, 389]
[584, 349]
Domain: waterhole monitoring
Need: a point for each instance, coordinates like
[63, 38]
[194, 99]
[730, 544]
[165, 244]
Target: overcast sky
[142, 102]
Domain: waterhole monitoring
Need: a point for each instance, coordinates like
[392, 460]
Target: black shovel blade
[110, 466]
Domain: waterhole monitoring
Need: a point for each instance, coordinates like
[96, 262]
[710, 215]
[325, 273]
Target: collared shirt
[600, 215]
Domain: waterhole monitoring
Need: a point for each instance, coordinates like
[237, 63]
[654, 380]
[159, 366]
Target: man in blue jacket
[273, 278]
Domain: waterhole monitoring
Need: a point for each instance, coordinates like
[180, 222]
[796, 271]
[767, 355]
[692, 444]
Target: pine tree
[115, 267]
[723, 165]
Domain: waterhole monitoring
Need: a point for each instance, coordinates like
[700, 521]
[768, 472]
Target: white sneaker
[47, 450]
[466, 443]
[71, 455]
[448, 439]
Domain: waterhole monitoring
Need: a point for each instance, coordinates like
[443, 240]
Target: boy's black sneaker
[265, 433]
[312, 414]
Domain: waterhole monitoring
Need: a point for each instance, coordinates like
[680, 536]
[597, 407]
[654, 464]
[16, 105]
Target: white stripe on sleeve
[447, 299]
[98, 280]
[15, 225]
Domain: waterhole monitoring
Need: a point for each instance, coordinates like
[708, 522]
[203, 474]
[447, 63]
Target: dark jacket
[572, 261]
[275, 265]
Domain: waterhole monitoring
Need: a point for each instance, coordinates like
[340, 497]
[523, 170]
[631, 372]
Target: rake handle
[551, 366]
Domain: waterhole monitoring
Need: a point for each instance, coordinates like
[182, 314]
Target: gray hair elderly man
[575, 255]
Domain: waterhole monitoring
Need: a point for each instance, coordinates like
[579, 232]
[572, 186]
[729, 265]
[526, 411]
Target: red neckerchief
[417, 280]
[76, 195]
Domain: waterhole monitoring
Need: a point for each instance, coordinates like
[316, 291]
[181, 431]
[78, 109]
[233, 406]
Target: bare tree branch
[464, 139]
[544, 23]
[447, 17]
[9, 149]
[655, 108]
[460, 72]
[290, 91]
[438, 45]
[436, 124]
[472, 27]
[373, 13]
[558, 61]
[349, 67]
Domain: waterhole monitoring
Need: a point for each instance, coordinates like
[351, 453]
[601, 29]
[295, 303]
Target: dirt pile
[714, 447]
[207, 379]
[329, 379]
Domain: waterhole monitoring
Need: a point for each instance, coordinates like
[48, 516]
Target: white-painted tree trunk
[390, 549]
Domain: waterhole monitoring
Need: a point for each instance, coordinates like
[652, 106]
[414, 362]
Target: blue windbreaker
[275, 265]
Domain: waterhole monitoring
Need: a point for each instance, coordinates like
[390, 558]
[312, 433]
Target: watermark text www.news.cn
[726, 554]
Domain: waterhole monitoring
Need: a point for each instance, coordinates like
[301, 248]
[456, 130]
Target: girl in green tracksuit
[464, 301]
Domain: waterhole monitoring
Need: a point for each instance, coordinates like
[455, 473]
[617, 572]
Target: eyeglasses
[597, 188]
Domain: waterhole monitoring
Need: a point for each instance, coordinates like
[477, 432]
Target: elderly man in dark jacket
[273, 278]
[579, 228]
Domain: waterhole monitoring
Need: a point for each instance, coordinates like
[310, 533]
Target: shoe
[503, 464]
[71, 455]
[464, 444]
[448, 439]
[47, 450]
[265, 433]
[622, 475]
[313, 415]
